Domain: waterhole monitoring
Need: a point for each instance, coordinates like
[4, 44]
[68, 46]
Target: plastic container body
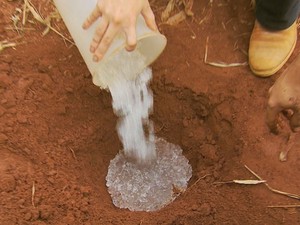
[150, 44]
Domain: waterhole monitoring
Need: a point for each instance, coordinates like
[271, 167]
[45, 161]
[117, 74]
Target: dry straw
[272, 189]
[262, 181]
[37, 16]
[220, 64]
[5, 44]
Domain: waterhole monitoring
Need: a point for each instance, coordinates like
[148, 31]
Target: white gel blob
[149, 188]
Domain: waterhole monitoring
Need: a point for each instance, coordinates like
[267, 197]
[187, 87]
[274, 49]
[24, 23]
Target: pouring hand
[116, 16]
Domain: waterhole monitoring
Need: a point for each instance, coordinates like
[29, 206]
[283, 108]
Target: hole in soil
[199, 125]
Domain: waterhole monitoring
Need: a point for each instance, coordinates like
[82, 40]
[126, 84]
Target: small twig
[62, 36]
[73, 153]
[246, 182]
[24, 13]
[220, 64]
[207, 14]
[33, 194]
[193, 36]
[272, 189]
[225, 65]
[206, 46]
[284, 206]
[20, 29]
[224, 27]
[244, 52]
[6, 44]
[200, 178]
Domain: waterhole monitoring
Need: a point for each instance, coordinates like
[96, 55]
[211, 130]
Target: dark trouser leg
[277, 14]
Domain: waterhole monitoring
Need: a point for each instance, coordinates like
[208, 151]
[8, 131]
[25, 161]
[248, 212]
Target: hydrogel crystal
[148, 188]
[132, 102]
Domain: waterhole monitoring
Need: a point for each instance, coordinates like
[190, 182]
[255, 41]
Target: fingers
[116, 21]
[272, 118]
[105, 42]
[295, 119]
[100, 30]
[92, 18]
[149, 17]
[130, 37]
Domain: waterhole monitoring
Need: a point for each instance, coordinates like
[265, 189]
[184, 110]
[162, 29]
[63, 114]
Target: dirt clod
[45, 212]
[3, 138]
[205, 209]
[5, 80]
[7, 182]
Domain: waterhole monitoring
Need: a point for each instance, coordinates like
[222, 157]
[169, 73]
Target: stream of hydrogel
[143, 175]
[132, 103]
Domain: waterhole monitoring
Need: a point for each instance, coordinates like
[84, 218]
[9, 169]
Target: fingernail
[92, 49]
[95, 58]
[130, 48]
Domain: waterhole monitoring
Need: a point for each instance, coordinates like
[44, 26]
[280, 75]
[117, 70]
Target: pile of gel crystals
[156, 169]
[149, 188]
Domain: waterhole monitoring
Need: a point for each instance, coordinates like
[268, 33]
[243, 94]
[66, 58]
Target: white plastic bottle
[74, 12]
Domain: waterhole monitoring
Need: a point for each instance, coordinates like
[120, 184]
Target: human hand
[285, 95]
[116, 16]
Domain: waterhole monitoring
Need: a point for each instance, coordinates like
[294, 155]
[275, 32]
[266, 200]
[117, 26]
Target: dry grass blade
[73, 153]
[194, 184]
[250, 182]
[33, 194]
[15, 18]
[24, 13]
[283, 156]
[272, 189]
[284, 206]
[188, 5]
[167, 12]
[184, 8]
[206, 47]
[244, 182]
[13, 28]
[176, 19]
[6, 44]
[45, 22]
[295, 196]
[224, 65]
[34, 12]
[220, 64]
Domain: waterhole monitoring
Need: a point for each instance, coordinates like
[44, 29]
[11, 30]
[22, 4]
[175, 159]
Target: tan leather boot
[269, 50]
